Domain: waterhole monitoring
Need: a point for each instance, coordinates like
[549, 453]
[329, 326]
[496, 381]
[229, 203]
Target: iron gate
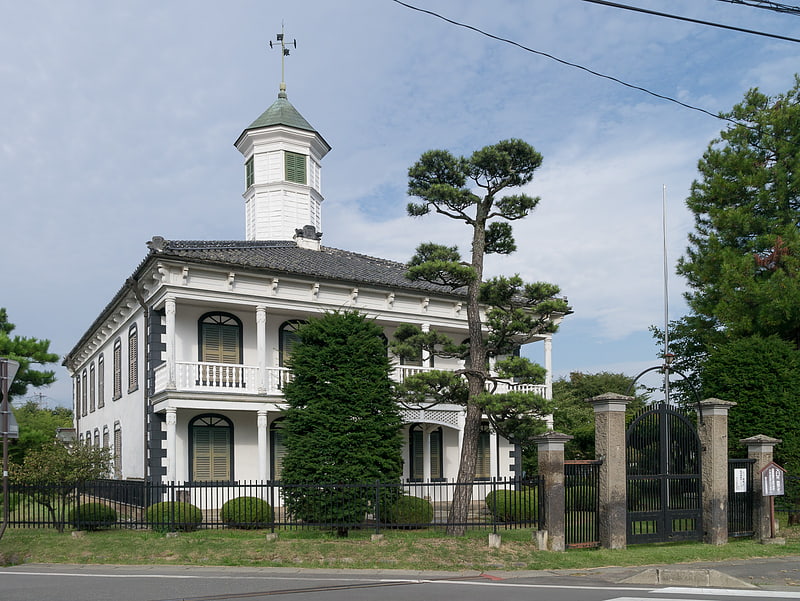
[663, 469]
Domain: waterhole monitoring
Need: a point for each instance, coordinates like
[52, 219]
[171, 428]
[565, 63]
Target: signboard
[772, 480]
[739, 479]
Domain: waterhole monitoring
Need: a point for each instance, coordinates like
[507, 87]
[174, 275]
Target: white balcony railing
[243, 379]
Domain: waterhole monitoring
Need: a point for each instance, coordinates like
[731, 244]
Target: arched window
[84, 393]
[133, 358]
[416, 453]
[106, 439]
[483, 467]
[277, 449]
[211, 449]
[96, 437]
[220, 337]
[287, 338]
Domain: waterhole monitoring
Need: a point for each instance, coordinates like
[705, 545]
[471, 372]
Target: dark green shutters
[295, 167]
[249, 173]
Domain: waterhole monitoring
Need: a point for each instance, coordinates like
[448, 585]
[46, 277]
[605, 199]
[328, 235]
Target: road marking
[736, 592]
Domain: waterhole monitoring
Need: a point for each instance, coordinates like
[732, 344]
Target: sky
[117, 124]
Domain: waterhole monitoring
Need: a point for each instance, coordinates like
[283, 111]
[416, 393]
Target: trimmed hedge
[514, 505]
[409, 511]
[246, 512]
[169, 517]
[92, 516]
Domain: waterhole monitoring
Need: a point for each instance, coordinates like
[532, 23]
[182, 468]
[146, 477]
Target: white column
[548, 377]
[172, 444]
[426, 356]
[261, 347]
[169, 309]
[263, 446]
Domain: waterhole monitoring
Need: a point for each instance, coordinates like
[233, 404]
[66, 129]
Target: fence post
[550, 450]
[609, 446]
[761, 449]
[713, 433]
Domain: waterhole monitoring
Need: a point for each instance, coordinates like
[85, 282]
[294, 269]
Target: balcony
[197, 376]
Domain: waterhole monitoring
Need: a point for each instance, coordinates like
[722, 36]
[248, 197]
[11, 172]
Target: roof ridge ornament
[284, 53]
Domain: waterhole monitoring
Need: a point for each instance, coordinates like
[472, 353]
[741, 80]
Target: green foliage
[742, 265]
[37, 427]
[574, 416]
[409, 510]
[761, 375]
[514, 505]
[26, 351]
[169, 516]
[246, 513]
[444, 184]
[60, 467]
[343, 424]
[92, 516]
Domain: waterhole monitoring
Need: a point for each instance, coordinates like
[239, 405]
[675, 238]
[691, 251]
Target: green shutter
[417, 454]
[436, 454]
[278, 451]
[249, 173]
[483, 468]
[295, 167]
[212, 459]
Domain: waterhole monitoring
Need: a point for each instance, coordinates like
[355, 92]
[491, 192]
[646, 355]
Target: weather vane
[284, 53]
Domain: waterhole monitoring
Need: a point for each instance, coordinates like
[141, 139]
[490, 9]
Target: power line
[774, 6]
[690, 20]
[574, 65]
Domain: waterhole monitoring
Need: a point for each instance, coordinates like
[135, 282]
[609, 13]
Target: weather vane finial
[284, 53]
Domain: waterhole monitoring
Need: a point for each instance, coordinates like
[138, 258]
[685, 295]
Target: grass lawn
[410, 550]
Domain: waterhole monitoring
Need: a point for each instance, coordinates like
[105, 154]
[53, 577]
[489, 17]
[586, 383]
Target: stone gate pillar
[609, 445]
[712, 430]
[761, 449]
[550, 449]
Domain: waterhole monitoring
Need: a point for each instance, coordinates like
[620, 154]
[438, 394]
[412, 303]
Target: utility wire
[690, 20]
[774, 6]
[574, 65]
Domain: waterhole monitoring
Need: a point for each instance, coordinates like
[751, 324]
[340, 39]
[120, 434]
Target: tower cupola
[282, 163]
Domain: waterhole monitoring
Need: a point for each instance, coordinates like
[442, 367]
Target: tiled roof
[286, 257]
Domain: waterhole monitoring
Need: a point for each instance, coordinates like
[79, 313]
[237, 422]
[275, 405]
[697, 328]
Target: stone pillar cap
[716, 402]
[762, 439]
[553, 437]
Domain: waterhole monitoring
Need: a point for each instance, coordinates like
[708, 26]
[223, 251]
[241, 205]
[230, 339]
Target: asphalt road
[160, 583]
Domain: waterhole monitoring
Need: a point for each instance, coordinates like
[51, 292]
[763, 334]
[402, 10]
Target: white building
[181, 373]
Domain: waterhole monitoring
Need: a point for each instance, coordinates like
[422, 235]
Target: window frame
[193, 445]
[101, 381]
[117, 373]
[249, 172]
[292, 170]
[133, 358]
[288, 327]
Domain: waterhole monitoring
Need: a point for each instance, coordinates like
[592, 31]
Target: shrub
[169, 517]
[246, 512]
[92, 516]
[14, 499]
[408, 511]
[513, 505]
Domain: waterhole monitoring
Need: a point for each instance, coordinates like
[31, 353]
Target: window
[96, 437]
[92, 380]
[78, 394]
[220, 338]
[101, 382]
[295, 167]
[416, 453]
[211, 448]
[84, 386]
[483, 467]
[117, 451]
[106, 439]
[287, 339]
[277, 450]
[133, 358]
[249, 173]
[117, 369]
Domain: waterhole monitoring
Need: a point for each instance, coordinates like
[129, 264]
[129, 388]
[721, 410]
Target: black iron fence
[506, 503]
[582, 505]
[740, 497]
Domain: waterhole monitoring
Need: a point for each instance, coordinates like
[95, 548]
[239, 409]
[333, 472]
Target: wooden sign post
[772, 486]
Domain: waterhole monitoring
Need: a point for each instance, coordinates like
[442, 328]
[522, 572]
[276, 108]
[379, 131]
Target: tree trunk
[462, 495]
